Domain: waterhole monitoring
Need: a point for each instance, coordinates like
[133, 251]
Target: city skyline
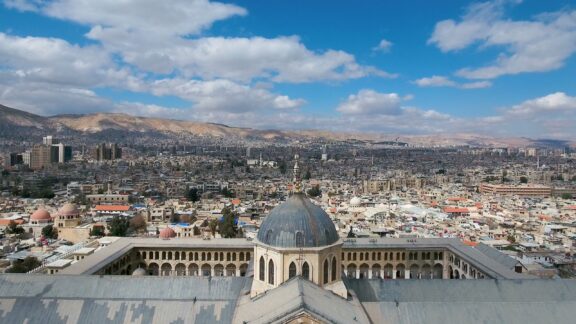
[499, 68]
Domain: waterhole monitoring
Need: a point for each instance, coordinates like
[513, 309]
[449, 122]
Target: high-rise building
[40, 156]
[104, 152]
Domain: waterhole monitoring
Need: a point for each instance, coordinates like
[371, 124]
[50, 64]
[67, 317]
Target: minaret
[296, 181]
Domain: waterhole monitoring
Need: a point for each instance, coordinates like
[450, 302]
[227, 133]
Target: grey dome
[297, 217]
[139, 272]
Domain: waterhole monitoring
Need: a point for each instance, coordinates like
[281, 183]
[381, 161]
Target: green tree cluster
[119, 226]
[193, 195]
[14, 228]
[50, 231]
[28, 264]
[227, 227]
[314, 191]
[97, 231]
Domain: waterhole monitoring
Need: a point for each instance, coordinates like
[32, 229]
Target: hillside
[14, 122]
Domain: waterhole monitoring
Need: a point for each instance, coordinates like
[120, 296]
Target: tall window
[271, 272]
[325, 272]
[292, 270]
[306, 270]
[261, 269]
[334, 268]
[299, 239]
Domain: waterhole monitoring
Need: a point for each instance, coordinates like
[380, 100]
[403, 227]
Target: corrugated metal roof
[294, 297]
[118, 299]
[467, 301]
[497, 256]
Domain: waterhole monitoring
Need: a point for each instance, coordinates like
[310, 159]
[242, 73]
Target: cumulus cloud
[368, 101]
[281, 59]
[161, 42]
[223, 95]
[557, 102]
[537, 45]
[176, 17]
[442, 81]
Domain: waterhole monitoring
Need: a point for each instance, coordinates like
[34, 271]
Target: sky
[498, 68]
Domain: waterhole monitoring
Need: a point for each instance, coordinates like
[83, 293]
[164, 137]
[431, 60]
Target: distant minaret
[296, 181]
[538, 162]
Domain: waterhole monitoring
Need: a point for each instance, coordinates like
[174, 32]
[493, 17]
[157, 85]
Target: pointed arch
[292, 270]
[261, 269]
[271, 272]
[334, 269]
[306, 270]
[325, 272]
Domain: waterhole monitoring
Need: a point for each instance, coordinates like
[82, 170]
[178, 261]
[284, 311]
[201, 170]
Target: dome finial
[296, 172]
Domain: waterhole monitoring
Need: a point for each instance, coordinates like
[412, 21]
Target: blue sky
[502, 68]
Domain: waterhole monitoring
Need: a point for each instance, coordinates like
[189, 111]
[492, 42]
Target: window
[292, 270]
[306, 270]
[325, 272]
[299, 239]
[271, 272]
[334, 268]
[261, 270]
[268, 236]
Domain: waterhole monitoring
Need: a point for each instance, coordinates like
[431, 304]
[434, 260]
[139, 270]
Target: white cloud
[281, 59]
[155, 36]
[383, 46]
[554, 103]
[175, 17]
[537, 45]
[442, 81]
[368, 101]
[435, 81]
[223, 95]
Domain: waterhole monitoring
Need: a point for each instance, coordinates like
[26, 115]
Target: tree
[50, 232]
[566, 196]
[282, 167]
[13, 228]
[314, 191]
[119, 226]
[193, 195]
[307, 175]
[138, 223]
[213, 225]
[97, 230]
[196, 230]
[29, 263]
[523, 179]
[227, 192]
[227, 226]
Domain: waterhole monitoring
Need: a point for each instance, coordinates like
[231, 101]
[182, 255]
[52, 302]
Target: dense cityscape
[294, 162]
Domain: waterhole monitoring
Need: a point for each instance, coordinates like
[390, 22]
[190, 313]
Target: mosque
[297, 270]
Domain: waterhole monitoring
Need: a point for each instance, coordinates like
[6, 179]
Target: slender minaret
[296, 181]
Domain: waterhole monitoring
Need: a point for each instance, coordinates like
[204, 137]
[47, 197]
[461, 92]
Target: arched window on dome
[325, 272]
[268, 236]
[306, 270]
[334, 268]
[261, 270]
[299, 239]
[271, 272]
[292, 270]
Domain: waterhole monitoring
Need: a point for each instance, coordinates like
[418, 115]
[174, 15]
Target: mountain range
[14, 122]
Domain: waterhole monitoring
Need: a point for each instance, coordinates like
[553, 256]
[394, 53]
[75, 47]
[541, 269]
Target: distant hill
[14, 122]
